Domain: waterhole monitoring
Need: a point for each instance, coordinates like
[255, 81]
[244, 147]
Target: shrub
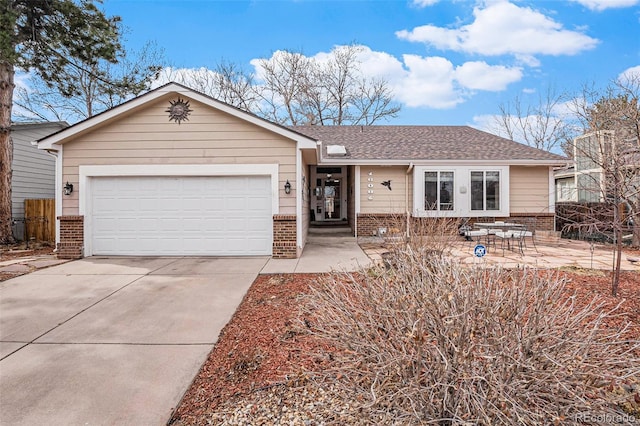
[430, 340]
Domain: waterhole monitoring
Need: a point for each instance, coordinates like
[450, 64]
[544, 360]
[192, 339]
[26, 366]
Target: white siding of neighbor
[147, 137]
[33, 170]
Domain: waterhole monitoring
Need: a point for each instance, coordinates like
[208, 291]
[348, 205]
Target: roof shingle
[460, 143]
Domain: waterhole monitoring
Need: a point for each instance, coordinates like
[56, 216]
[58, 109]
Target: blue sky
[448, 61]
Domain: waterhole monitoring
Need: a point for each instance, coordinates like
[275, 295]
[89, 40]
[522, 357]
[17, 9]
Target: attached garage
[178, 215]
[174, 172]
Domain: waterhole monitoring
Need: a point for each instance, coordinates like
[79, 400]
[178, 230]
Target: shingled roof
[412, 143]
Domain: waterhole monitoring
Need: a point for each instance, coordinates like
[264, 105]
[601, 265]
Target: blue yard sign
[480, 250]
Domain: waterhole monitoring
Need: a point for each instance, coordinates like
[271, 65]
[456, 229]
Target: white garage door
[221, 216]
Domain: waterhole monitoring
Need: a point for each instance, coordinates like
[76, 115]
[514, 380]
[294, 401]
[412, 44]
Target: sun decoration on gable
[179, 110]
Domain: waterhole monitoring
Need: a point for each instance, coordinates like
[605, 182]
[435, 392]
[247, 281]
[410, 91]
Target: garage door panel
[181, 215]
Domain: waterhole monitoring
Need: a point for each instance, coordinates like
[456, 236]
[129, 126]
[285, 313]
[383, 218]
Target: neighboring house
[565, 178]
[33, 170]
[175, 172]
[594, 149]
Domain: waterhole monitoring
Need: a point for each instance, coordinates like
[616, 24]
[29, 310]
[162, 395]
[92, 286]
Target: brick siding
[285, 244]
[368, 224]
[71, 245]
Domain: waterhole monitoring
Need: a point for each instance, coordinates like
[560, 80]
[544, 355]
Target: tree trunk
[6, 150]
[615, 279]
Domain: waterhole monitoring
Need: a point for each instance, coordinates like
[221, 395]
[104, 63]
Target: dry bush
[431, 341]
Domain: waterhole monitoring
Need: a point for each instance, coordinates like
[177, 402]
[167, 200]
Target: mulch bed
[266, 343]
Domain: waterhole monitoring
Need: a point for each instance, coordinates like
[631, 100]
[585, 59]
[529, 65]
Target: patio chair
[511, 237]
[476, 235]
[505, 239]
[518, 236]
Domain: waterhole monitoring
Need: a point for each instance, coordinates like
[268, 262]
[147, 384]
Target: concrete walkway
[112, 341]
[323, 253]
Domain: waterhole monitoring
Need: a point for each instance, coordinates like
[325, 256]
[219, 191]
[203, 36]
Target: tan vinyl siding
[384, 201]
[529, 189]
[147, 137]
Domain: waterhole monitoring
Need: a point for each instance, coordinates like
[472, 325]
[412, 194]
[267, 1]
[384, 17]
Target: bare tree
[292, 89]
[227, 82]
[97, 87]
[608, 162]
[543, 125]
[285, 78]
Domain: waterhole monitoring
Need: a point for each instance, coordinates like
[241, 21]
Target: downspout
[406, 197]
[58, 193]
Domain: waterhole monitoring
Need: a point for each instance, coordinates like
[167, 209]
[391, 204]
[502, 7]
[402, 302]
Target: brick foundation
[544, 221]
[71, 245]
[369, 223]
[285, 244]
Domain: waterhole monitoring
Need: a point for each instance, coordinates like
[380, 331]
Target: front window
[438, 190]
[485, 190]
[460, 191]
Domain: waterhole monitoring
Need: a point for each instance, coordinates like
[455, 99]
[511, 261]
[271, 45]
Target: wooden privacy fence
[40, 220]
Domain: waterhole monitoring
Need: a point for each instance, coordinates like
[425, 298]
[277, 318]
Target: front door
[328, 201]
[331, 198]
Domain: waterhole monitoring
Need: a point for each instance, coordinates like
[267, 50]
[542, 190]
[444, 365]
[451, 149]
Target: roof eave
[68, 133]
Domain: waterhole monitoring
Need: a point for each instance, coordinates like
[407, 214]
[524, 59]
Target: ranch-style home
[176, 172]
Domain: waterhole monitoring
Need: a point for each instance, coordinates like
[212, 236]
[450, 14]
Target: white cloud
[502, 28]
[600, 5]
[428, 82]
[489, 123]
[416, 81]
[630, 75]
[433, 82]
[482, 76]
[424, 3]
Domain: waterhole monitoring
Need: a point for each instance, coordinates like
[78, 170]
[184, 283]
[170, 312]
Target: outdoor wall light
[287, 187]
[68, 188]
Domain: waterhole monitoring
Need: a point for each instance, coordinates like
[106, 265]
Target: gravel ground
[286, 405]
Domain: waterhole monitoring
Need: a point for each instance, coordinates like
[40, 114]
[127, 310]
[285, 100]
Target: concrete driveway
[112, 340]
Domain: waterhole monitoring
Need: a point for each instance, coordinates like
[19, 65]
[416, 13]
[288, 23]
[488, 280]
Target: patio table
[503, 230]
[503, 226]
